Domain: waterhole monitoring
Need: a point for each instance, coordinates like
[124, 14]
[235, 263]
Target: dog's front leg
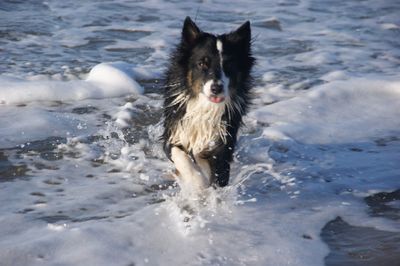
[220, 166]
[190, 177]
[204, 166]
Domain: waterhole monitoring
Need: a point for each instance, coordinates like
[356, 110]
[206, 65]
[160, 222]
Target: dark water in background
[65, 39]
[53, 37]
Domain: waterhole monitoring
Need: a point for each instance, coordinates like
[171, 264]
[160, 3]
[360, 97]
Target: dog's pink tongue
[215, 99]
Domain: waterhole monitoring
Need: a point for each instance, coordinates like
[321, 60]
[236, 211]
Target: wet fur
[192, 123]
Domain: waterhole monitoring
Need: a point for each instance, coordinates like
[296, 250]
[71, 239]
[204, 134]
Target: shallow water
[315, 178]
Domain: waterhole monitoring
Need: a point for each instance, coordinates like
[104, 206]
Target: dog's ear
[190, 31]
[241, 36]
[244, 32]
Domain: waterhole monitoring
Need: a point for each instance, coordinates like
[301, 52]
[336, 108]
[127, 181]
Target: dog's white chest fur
[201, 126]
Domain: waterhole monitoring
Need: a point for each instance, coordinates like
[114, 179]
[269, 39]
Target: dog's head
[216, 65]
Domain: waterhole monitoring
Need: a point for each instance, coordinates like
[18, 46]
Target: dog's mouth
[216, 99]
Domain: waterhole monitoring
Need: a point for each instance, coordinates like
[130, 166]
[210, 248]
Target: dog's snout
[216, 88]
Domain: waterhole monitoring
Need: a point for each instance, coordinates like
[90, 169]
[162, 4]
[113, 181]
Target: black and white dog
[207, 92]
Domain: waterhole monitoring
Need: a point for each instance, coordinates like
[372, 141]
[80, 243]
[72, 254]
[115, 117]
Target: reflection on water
[9, 171]
[385, 204]
[355, 245]
[360, 246]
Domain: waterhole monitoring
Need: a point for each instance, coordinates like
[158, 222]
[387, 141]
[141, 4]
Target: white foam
[338, 112]
[117, 76]
[25, 124]
[124, 115]
[104, 81]
[390, 26]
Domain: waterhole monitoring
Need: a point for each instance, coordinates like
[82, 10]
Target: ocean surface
[316, 172]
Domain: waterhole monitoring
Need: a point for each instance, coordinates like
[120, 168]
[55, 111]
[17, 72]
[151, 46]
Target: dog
[207, 91]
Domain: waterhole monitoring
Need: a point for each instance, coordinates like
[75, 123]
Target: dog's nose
[216, 88]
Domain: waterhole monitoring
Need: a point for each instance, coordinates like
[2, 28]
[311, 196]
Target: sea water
[316, 172]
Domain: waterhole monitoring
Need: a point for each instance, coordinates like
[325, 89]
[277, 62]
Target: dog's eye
[202, 65]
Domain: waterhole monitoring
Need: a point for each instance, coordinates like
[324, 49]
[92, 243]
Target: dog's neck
[202, 125]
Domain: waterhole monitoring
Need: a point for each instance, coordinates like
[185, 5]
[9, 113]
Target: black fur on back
[237, 64]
